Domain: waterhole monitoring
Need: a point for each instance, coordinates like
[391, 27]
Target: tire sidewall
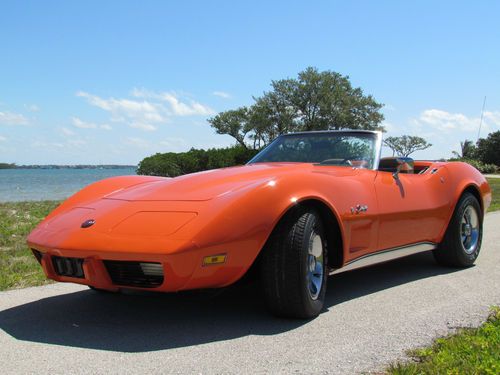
[314, 306]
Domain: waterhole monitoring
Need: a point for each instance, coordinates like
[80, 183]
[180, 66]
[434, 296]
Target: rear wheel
[462, 241]
[293, 269]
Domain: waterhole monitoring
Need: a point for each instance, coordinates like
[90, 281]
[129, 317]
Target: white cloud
[2, 139]
[88, 125]
[153, 109]
[47, 145]
[32, 107]
[182, 109]
[143, 126]
[68, 144]
[83, 124]
[138, 114]
[493, 117]
[221, 94]
[176, 107]
[67, 132]
[389, 126]
[446, 122]
[10, 118]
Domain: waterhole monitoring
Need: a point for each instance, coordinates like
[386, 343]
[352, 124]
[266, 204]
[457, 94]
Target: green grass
[18, 266]
[470, 351]
[495, 188]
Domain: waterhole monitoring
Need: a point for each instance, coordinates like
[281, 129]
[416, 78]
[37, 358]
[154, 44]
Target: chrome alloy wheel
[315, 266]
[469, 229]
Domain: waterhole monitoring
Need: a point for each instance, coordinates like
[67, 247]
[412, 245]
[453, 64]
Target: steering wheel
[346, 162]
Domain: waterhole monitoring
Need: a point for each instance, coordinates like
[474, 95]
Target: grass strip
[18, 266]
[495, 189]
[469, 351]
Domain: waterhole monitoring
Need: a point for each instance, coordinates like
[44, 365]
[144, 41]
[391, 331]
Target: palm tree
[467, 150]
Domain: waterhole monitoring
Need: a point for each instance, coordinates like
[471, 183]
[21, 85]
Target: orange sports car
[309, 205]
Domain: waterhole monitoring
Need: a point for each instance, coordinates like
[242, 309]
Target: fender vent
[136, 274]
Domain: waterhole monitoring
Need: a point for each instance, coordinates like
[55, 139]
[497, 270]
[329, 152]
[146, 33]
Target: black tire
[456, 250]
[285, 268]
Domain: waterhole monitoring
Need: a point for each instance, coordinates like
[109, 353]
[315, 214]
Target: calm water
[50, 184]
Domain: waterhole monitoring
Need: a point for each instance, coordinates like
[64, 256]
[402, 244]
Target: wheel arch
[474, 190]
[334, 233]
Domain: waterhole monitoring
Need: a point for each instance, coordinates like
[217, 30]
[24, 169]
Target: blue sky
[115, 81]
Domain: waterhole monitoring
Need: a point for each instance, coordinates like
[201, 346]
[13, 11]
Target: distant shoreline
[76, 166]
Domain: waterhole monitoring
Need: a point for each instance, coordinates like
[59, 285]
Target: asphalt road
[372, 316]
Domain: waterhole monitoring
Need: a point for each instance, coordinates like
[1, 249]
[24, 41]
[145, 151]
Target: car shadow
[142, 322]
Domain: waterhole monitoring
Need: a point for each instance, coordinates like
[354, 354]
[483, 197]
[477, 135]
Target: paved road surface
[373, 315]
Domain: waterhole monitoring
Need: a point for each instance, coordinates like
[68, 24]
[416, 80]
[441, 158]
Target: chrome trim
[378, 150]
[385, 255]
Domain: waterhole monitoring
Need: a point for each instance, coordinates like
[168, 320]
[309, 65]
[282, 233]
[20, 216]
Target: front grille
[137, 274]
[70, 267]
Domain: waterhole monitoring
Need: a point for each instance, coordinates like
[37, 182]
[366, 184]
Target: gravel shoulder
[373, 315]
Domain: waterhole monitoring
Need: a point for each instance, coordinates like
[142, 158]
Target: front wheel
[293, 268]
[462, 241]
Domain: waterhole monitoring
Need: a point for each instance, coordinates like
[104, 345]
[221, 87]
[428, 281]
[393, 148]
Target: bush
[488, 149]
[173, 164]
[481, 167]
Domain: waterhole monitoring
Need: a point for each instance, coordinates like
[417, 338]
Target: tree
[7, 166]
[406, 145]
[467, 150]
[488, 149]
[313, 101]
[173, 164]
[233, 123]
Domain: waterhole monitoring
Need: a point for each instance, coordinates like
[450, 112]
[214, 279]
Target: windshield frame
[377, 135]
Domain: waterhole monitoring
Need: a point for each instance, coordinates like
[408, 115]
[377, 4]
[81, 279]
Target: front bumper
[154, 271]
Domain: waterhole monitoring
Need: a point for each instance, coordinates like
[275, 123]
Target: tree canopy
[488, 149]
[172, 164]
[313, 101]
[406, 144]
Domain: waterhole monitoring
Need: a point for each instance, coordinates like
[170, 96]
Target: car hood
[201, 186]
[207, 185]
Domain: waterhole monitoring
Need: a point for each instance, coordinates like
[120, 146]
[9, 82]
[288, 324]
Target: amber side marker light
[214, 259]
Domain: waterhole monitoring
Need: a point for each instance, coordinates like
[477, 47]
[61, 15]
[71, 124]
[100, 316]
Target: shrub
[173, 164]
[481, 167]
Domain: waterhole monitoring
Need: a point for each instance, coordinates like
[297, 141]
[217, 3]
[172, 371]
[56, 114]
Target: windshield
[330, 148]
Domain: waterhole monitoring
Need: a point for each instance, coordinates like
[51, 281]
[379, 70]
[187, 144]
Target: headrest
[391, 164]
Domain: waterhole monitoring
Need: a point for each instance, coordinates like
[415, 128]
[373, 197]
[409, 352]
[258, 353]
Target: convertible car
[309, 205]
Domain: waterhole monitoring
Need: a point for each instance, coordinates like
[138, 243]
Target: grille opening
[137, 274]
[38, 255]
[70, 267]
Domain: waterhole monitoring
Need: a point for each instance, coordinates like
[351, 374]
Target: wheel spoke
[469, 229]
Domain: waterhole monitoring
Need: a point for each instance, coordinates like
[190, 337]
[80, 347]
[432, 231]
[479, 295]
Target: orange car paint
[232, 211]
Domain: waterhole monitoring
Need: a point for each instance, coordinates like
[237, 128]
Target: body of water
[50, 184]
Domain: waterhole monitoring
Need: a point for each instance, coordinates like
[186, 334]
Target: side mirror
[403, 165]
